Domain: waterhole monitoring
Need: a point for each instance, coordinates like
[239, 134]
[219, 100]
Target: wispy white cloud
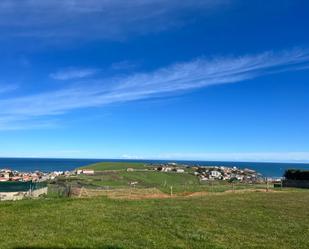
[73, 73]
[5, 88]
[91, 19]
[172, 79]
[20, 122]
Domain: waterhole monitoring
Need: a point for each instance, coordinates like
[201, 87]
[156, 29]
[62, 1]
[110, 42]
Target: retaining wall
[19, 195]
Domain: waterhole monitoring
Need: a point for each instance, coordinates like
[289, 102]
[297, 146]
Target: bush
[296, 174]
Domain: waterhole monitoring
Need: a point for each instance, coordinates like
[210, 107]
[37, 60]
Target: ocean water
[48, 164]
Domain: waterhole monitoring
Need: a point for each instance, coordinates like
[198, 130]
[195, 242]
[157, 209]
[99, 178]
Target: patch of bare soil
[151, 193]
[194, 194]
[134, 194]
[197, 194]
[248, 190]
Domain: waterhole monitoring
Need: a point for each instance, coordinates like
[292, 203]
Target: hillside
[115, 175]
[106, 166]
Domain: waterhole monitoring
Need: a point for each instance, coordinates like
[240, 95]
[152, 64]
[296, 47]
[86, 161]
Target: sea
[52, 164]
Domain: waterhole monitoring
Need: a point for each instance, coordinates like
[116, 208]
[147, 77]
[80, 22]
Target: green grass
[161, 180]
[248, 220]
[114, 175]
[145, 179]
[103, 166]
[181, 182]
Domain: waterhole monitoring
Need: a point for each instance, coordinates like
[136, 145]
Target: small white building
[215, 174]
[6, 175]
[88, 171]
[203, 178]
[180, 170]
[85, 171]
[79, 171]
[173, 164]
[166, 169]
[239, 177]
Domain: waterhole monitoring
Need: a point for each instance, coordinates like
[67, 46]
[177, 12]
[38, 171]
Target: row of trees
[296, 174]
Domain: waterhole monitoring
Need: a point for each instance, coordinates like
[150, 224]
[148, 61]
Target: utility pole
[267, 186]
[30, 189]
[171, 191]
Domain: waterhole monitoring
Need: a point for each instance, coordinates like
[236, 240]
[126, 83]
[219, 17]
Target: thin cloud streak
[73, 73]
[173, 79]
[95, 19]
[19, 122]
[7, 88]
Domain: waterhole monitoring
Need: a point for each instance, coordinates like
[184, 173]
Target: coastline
[268, 169]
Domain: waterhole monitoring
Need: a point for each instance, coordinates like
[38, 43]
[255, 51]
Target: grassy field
[106, 166]
[144, 179]
[180, 182]
[242, 220]
[114, 175]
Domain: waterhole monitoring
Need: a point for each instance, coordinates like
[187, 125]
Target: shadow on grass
[52, 247]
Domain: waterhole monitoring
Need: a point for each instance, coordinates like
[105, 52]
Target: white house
[79, 171]
[167, 169]
[203, 178]
[88, 171]
[215, 173]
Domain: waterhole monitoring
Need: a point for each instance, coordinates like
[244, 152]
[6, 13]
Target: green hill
[115, 175]
[144, 179]
[103, 166]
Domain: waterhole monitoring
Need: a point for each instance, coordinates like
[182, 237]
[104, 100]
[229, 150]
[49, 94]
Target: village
[204, 173]
[208, 173]
[228, 174]
[8, 175]
[126, 175]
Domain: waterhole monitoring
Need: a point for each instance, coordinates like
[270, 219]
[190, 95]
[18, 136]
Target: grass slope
[144, 178]
[251, 220]
[103, 166]
[181, 182]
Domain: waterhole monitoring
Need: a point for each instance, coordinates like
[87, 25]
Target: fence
[21, 190]
[21, 186]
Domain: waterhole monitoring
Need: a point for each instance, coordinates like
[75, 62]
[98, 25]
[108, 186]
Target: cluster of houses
[7, 175]
[170, 167]
[206, 173]
[15, 185]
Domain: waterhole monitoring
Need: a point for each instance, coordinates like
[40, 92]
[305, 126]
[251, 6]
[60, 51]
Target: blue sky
[204, 80]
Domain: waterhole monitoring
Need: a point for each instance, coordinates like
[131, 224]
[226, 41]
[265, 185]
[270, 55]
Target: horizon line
[157, 159]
